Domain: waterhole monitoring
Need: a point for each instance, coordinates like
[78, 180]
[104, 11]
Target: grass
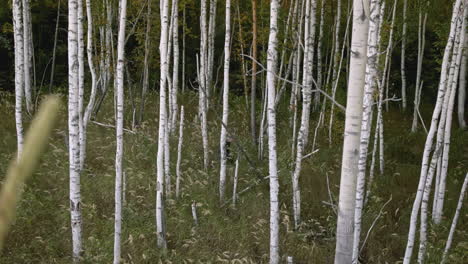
[41, 233]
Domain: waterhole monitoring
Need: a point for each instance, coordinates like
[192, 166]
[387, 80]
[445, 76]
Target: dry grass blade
[22, 168]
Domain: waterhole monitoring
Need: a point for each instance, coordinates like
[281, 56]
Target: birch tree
[73, 129]
[203, 82]
[462, 86]
[253, 86]
[366, 123]
[119, 130]
[431, 133]
[272, 57]
[19, 73]
[27, 46]
[145, 63]
[163, 46]
[403, 56]
[349, 167]
[227, 57]
[336, 62]
[175, 66]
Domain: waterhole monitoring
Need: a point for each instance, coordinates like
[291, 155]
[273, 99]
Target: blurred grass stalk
[22, 168]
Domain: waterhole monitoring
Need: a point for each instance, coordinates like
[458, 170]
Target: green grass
[41, 233]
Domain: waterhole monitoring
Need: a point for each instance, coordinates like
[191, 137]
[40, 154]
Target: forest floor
[41, 233]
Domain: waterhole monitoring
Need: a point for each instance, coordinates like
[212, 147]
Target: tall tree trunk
[19, 73]
[272, 60]
[349, 169]
[403, 57]
[73, 129]
[119, 130]
[175, 66]
[211, 48]
[27, 54]
[227, 58]
[179, 151]
[336, 62]
[366, 123]
[202, 77]
[253, 84]
[80, 77]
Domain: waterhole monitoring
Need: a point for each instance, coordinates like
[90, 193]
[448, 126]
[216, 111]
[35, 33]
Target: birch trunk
[73, 129]
[431, 134]
[119, 130]
[175, 66]
[52, 71]
[336, 61]
[366, 123]
[160, 228]
[234, 188]
[211, 48]
[349, 169]
[179, 151]
[92, 98]
[80, 77]
[253, 84]
[19, 73]
[202, 77]
[227, 57]
[272, 57]
[448, 123]
[455, 219]
[27, 46]
[403, 57]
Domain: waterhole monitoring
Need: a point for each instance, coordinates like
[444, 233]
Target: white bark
[418, 86]
[336, 62]
[179, 150]
[119, 130]
[234, 188]
[19, 73]
[455, 219]
[194, 213]
[403, 53]
[80, 77]
[306, 97]
[227, 58]
[146, 63]
[431, 134]
[349, 169]
[73, 129]
[366, 123]
[92, 98]
[272, 57]
[210, 50]
[27, 47]
[175, 66]
[448, 123]
[160, 228]
[202, 78]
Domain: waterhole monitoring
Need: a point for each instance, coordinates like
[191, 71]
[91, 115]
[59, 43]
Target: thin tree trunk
[243, 67]
[272, 58]
[179, 150]
[175, 66]
[146, 64]
[210, 51]
[27, 54]
[80, 76]
[19, 73]
[202, 77]
[227, 57]
[336, 61]
[52, 71]
[163, 46]
[234, 188]
[462, 87]
[403, 54]
[253, 84]
[455, 219]
[73, 129]
[349, 171]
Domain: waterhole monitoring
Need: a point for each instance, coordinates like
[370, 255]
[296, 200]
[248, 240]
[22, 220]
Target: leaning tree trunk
[119, 130]
[73, 129]
[19, 73]
[349, 168]
[163, 46]
[430, 136]
[52, 71]
[227, 57]
[462, 87]
[272, 58]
